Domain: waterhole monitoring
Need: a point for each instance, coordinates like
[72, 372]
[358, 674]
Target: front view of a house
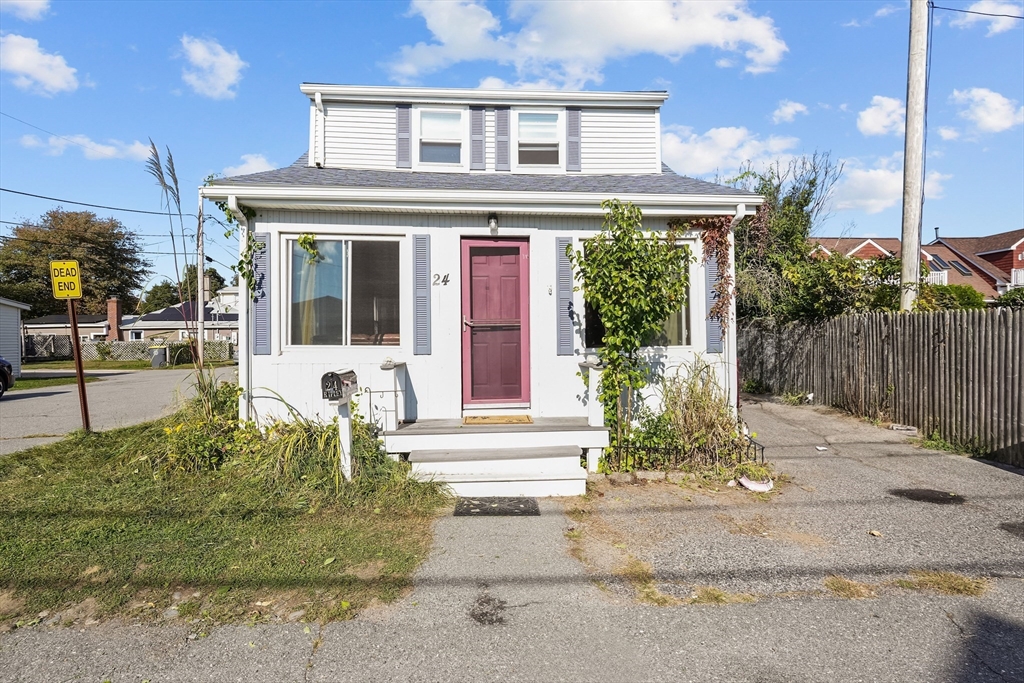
[421, 242]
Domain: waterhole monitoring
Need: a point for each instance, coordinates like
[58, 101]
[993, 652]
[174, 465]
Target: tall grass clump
[696, 428]
[284, 456]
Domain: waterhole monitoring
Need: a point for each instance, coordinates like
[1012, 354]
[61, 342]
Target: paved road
[500, 599]
[32, 417]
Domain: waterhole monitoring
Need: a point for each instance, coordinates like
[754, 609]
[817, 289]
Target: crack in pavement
[967, 646]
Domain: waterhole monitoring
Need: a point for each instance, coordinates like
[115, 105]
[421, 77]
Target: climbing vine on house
[715, 232]
[634, 281]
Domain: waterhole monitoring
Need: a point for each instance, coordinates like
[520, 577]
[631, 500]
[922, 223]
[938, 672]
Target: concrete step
[458, 437]
[534, 485]
[499, 462]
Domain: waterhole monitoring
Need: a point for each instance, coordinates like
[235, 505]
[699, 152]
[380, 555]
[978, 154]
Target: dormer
[484, 131]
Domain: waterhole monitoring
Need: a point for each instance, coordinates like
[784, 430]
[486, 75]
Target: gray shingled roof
[666, 182]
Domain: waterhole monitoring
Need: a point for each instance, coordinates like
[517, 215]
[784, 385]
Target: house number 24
[440, 279]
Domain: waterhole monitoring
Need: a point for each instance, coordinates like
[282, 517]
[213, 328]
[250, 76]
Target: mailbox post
[339, 388]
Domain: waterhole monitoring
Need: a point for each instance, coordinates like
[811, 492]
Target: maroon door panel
[494, 321]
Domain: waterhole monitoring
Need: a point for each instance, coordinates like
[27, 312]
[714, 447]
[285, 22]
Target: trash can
[158, 356]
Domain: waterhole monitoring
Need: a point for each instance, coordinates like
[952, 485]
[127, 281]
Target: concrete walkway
[500, 599]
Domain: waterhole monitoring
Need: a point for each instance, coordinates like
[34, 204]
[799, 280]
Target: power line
[95, 206]
[134, 234]
[969, 11]
[67, 245]
[61, 137]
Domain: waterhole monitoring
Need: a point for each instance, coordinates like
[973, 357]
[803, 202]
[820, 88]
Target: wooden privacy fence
[956, 373]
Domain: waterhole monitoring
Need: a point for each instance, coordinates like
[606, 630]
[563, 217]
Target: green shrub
[755, 385]
[1012, 299]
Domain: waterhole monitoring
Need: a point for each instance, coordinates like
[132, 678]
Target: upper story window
[538, 136]
[441, 137]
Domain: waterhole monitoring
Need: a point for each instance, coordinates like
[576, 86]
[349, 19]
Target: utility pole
[913, 153]
[201, 286]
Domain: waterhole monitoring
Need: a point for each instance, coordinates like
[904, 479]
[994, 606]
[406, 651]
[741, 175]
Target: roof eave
[475, 201]
[504, 97]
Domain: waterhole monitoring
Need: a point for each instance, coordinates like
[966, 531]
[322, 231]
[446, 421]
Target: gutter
[245, 357]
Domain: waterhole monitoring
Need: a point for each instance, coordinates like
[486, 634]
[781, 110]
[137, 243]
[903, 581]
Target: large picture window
[441, 137]
[675, 331]
[348, 295]
[538, 139]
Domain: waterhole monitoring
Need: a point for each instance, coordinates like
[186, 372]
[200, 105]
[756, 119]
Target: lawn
[48, 382]
[112, 365]
[92, 530]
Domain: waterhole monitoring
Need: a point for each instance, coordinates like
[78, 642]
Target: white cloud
[720, 149]
[988, 110]
[873, 190]
[995, 24]
[787, 111]
[888, 9]
[29, 10]
[251, 163]
[33, 68]
[216, 71]
[112, 149]
[947, 133]
[569, 42]
[884, 116]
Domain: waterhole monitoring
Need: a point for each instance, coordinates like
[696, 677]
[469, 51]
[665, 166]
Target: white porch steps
[509, 472]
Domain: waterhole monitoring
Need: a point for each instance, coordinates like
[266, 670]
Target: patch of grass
[755, 386]
[791, 399]
[947, 583]
[640, 575]
[935, 442]
[842, 587]
[95, 518]
[709, 595]
[48, 382]
[115, 365]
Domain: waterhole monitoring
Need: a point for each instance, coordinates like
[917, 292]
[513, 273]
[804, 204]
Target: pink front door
[495, 321]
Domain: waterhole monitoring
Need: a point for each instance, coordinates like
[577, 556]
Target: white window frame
[464, 153]
[132, 333]
[185, 335]
[97, 336]
[514, 141]
[291, 242]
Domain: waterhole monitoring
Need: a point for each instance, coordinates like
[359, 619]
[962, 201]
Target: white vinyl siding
[10, 336]
[619, 141]
[360, 136]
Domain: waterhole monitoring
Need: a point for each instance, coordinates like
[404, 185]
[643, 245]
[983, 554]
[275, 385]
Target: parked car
[6, 376]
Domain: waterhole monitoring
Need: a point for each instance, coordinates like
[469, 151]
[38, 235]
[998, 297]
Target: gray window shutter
[403, 136]
[476, 139]
[563, 280]
[421, 295]
[261, 299]
[714, 324]
[572, 139]
[502, 153]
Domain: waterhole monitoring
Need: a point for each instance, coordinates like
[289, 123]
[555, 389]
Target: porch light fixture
[492, 223]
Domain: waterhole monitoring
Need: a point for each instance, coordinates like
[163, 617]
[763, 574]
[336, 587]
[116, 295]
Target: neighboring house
[945, 266]
[10, 332]
[178, 322]
[90, 327]
[999, 258]
[441, 218]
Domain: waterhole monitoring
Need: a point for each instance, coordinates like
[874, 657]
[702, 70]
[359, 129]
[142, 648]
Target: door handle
[466, 323]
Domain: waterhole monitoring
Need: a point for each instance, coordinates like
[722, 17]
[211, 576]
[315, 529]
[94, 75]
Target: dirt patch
[488, 610]
[929, 496]
[641, 577]
[709, 595]
[9, 604]
[368, 571]
[759, 526]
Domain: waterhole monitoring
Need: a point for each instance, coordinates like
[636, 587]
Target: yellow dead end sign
[66, 279]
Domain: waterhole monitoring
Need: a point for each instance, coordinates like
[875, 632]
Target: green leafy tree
[190, 285]
[160, 295]
[110, 257]
[1012, 299]
[634, 281]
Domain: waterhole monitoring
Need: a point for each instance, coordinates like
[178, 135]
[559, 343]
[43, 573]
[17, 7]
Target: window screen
[318, 294]
[538, 139]
[441, 137]
[375, 293]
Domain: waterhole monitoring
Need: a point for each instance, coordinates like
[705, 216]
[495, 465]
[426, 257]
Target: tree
[634, 281]
[1012, 299]
[160, 295]
[189, 286]
[109, 255]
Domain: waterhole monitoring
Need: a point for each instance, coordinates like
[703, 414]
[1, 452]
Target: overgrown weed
[947, 583]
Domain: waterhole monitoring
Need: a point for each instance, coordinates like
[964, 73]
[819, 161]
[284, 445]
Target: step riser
[400, 443]
[515, 489]
[498, 467]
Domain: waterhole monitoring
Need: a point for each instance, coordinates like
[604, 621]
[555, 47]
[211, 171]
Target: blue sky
[218, 84]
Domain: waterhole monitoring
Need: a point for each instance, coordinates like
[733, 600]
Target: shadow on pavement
[30, 393]
[993, 649]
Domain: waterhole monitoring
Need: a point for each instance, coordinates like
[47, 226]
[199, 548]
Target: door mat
[497, 507]
[497, 420]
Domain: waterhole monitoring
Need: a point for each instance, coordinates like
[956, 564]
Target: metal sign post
[66, 280]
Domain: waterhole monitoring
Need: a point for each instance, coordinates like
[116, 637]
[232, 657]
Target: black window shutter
[261, 299]
[502, 153]
[563, 280]
[421, 294]
[403, 136]
[714, 323]
[476, 139]
[573, 125]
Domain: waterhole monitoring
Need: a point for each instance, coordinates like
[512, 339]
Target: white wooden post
[345, 439]
[595, 410]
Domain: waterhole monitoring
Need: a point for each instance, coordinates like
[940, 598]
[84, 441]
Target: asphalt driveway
[546, 598]
[32, 417]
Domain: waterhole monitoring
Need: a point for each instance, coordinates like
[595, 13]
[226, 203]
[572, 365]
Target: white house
[441, 218]
[10, 332]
